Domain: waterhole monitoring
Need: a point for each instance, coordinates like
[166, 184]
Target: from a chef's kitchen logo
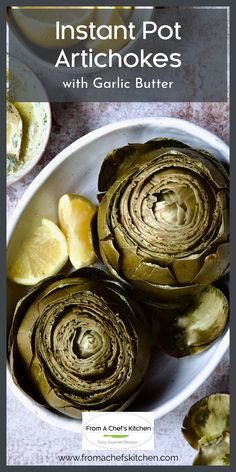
[119, 430]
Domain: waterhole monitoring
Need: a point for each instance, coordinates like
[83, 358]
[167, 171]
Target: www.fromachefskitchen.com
[143, 458]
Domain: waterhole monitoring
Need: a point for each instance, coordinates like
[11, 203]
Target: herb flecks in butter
[23, 132]
[14, 132]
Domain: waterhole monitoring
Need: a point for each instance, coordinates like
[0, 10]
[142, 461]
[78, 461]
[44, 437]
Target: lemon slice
[43, 253]
[109, 17]
[38, 24]
[75, 214]
[14, 131]
[125, 13]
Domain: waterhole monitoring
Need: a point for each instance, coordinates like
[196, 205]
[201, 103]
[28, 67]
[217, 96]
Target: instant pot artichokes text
[79, 343]
[163, 218]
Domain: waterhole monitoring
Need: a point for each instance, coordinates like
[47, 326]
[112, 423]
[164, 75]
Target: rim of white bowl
[107, 129]
[75, 425]
[50, 416]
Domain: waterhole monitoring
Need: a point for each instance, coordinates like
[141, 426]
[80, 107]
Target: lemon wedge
[125, 13]
[38, 24]
[109, 17]
[43, 253]
[75, 214]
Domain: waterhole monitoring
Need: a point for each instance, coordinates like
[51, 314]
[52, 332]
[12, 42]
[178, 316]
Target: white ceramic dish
[36, 116]
[170, 381]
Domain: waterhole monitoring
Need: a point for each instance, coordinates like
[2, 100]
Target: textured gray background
[30, 441]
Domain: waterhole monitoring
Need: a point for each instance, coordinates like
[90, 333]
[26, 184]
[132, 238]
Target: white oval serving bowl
[39, 126]
[75, 170]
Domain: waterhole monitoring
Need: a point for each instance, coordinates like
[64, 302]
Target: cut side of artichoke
[163, 220]
[208, 418]
[120, 160]
[182, 332]
[79, 343]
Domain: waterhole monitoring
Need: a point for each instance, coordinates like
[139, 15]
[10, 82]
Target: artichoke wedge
[79, 343]
[191, 329]
[207, 419]
[163, 219]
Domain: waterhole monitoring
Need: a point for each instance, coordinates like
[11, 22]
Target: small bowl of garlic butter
[28, 125]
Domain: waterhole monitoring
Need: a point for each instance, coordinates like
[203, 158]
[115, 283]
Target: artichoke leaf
[194, 328]
[215, 451]
[214, 265]
[120, 160]
[209, 417]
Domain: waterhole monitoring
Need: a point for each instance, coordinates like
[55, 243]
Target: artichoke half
[79, 343]
[206, 428]
[163, 219]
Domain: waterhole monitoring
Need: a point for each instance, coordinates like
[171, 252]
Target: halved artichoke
[79, 343]
[194, 326]
[163, 220]
[206, 428]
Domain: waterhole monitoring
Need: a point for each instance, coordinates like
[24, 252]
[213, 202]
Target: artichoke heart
[193, 328]
[79, 343]
[163, 219]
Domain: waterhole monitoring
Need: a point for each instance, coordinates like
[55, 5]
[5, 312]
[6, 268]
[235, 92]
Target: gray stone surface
[30, 440]
[33, 442]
